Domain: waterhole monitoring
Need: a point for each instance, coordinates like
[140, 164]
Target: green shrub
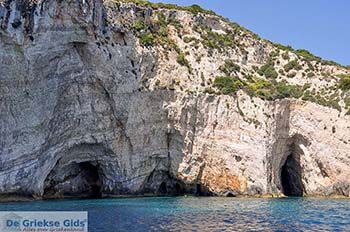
[318, 99]
[268, 90]
[344, 83]
[291, 74]
[285, 56]
[260, 84]
[260, 88]
[228, 85]
[285, 90]
[274, 54]
[330, 62]
[283, 47]
[310, 74]
[139, 25]
[268, 70]
[230, 67]
[334, 103]
[190, 39]
[307, 55]
[271, 90]
[156, 31]
[214, 40]
[195, 9]
[347, 102]
[292, 65]
[147, 39]
[308, 96]
[181, 59]
[255, 68]
[310, 66]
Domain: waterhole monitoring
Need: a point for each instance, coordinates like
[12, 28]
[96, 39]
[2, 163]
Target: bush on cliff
[214, 40]
[268, 70]
[344, 83]
[273, 90]
[147, 39]
[195, 9]
[292, 65]
[230, 67]
[181, 59]
[228, 85]
[307, 55]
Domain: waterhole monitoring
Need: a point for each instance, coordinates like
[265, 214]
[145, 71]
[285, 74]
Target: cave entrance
[163, 190]
[291, 177]
[92, 177]
[81, 180]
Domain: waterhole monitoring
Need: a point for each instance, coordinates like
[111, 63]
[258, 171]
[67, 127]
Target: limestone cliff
[103, 98]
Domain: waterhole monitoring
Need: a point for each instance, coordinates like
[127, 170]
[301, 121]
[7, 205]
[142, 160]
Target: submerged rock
[106, 98]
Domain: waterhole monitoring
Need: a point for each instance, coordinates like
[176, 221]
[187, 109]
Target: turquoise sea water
[203, 214]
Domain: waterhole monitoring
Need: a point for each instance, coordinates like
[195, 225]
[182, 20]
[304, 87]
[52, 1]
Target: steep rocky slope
[128, 97]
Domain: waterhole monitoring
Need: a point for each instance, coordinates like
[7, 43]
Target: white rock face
[81, 115]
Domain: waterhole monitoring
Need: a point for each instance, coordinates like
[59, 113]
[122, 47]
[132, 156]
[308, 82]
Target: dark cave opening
[92, 177]
[291, 177]
[198, 191]
[178, 189]
[75, 180]
[163, 189]
[169, 188]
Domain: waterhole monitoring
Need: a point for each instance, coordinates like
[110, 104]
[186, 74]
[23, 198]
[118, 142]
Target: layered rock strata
[86, 110]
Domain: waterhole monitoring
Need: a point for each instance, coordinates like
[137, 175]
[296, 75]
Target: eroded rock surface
[86, 110]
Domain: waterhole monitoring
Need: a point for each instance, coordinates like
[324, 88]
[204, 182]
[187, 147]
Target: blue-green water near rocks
[203, 214]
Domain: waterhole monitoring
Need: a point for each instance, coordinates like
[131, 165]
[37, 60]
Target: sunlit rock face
[82, 113]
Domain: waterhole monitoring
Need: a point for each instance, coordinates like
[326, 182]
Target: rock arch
[82, 171]
[77, 180]
[287, 169]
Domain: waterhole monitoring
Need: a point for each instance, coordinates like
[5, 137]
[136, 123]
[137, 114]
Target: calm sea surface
[203, 214]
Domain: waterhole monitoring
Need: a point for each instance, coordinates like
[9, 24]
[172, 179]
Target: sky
[320, 26]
